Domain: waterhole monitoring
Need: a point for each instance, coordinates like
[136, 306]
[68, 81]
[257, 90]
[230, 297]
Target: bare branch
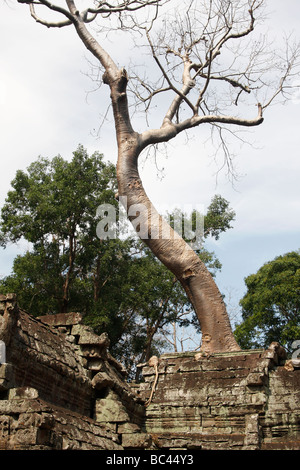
[214, 40]
[128, 5]
[49, 24]
[201, 56]
[181, 93]
[197, 120]
[188, 84]
[168, 131]
[150, 91]
[228, 79]
[208, 77]
[52, 7]
[292, 65]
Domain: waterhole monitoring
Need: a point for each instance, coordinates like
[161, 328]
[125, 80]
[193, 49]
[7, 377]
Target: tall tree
[271, 305]
[203, 66]
[53, 207]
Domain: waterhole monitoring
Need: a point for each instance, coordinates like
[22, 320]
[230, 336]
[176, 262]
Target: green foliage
[53, 206]
[117, 284]
[57, 198]
[196, 227]
[218, 217]
[271, 306]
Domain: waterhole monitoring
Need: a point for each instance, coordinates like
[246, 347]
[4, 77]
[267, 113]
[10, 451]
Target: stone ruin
[60, 389]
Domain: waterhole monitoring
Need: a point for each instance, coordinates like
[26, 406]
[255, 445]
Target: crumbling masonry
[61, 389]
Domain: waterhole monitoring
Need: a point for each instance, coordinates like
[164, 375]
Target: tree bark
[66, 285]
[176, 255]
[168, 247]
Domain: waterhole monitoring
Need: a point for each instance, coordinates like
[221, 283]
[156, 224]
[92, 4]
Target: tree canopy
[52, 206]
[116, 283]
[271, 306]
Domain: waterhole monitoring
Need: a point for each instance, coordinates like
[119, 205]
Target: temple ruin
[60, 389]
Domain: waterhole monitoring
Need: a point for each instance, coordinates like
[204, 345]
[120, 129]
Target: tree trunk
[169, 247]
[66, 285]
[175, 254]
[97, 279]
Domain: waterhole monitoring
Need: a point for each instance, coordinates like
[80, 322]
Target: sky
[49, 105]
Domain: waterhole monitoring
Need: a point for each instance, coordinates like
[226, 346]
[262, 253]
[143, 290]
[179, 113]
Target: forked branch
[52, 7]
[89, 14]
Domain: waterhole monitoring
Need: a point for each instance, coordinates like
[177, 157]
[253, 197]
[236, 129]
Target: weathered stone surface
[110, 409]
[22, 392]
[34, 425]
[40, 358]
[61, 389]
[245, 400]
[55, 370]
[102, 380]
[62, 319]
[136, 441]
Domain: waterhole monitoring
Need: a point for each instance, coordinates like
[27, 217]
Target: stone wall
[59, 386]
[29, 423]
[37, 357]
[247, 400]
[61, 389]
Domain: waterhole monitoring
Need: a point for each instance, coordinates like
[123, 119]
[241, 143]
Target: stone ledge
[62, 319]
[199, 355]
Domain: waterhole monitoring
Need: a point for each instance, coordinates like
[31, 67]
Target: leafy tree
[218, 217]
[53, 206]
[118, 284]
[207, 66]
[271, 306]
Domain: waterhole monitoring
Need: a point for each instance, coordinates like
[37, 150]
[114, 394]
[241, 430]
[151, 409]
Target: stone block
[110, 409]
[22, 393]
[62, 319]
[136, 441]
[128, 428]
[6, 376]
[255, 379]
[102, 380]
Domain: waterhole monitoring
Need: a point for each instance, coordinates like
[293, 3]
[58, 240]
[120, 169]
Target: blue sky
[48, 108]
